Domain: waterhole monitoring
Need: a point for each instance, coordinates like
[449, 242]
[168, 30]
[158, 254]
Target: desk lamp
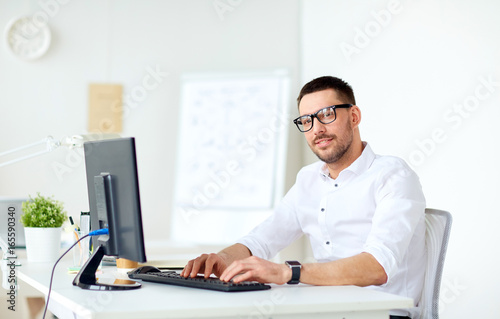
[74, 141]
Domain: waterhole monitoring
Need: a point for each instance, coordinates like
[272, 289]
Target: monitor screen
[114, 202]
[113, 163]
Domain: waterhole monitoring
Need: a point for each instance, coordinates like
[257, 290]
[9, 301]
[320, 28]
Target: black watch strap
[295, 266]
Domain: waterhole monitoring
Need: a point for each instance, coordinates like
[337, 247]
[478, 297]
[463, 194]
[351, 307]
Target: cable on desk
[103, 231]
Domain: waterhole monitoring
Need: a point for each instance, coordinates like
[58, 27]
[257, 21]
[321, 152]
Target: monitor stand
[86, 278]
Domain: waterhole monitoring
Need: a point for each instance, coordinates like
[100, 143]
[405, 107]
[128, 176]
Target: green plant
[43, 212]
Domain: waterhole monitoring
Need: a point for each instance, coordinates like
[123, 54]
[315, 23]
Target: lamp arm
[74, 141]
[50, 145]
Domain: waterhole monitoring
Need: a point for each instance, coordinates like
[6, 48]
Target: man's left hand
[257, 269]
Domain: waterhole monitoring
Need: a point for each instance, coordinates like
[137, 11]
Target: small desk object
[165, 301]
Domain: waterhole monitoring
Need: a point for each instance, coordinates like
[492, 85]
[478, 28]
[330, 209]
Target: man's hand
[215, 263]
[257, 269]
[207, 264]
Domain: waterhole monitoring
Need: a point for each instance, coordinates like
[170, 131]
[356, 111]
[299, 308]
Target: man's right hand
[207, 264]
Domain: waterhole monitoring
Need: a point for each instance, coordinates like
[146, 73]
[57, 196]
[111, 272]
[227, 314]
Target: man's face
[328, 141]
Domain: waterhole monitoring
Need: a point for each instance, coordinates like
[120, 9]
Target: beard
[339, 147]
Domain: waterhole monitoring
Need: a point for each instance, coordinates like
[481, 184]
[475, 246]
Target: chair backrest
[438, 226]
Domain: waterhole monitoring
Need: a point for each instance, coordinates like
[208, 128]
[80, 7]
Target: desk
[164, 301]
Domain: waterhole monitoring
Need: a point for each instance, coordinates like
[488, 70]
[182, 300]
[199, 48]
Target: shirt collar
[360, 165]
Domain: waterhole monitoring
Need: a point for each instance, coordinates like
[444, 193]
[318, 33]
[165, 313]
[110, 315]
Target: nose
[318, 127]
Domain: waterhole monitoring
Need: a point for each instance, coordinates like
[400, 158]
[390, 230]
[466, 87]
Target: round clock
[26, 38]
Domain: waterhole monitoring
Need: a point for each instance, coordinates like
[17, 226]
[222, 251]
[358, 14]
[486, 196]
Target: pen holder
[81, 252]
[125, 265]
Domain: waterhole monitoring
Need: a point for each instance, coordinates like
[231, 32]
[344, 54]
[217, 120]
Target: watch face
[293, 263]
[27, 38]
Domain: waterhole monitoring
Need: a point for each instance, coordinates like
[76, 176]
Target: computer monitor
[114, 202]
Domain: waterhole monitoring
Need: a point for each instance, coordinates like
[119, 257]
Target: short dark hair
[343, 89]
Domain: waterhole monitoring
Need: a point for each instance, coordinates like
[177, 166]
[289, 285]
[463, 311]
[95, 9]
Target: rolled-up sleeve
[400, 209]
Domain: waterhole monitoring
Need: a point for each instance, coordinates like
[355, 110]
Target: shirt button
[322, 209]
[328, 243]
[336, 185]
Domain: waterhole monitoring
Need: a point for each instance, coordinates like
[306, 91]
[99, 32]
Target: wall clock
[27, 39]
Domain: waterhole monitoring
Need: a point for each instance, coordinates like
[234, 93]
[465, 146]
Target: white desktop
[165, 301]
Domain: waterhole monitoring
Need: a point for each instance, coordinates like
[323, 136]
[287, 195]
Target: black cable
[54, 268]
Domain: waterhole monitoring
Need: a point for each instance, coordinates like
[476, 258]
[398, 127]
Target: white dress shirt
[376, 205]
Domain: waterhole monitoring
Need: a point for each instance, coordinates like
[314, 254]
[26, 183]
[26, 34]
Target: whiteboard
[233, 134]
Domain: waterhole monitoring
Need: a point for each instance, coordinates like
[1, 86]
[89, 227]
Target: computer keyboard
[173, 278]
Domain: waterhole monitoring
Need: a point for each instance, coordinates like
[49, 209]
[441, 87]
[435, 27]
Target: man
[363, 213]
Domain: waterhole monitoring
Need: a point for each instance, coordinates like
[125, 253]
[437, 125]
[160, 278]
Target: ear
[355, 116]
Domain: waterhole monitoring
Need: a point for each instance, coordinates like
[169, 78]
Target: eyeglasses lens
[325, 116]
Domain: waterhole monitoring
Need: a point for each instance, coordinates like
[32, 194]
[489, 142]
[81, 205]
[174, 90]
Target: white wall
[418, 70]
[121, 42]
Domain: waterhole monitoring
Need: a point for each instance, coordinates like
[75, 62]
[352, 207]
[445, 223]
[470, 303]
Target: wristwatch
[295, 267]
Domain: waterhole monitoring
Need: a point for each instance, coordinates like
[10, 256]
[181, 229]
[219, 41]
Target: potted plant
[43, 218]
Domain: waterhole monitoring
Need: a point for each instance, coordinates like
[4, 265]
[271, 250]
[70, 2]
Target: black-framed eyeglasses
[326, 115]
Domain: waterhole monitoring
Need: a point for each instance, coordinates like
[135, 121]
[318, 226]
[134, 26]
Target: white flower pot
[42, 244]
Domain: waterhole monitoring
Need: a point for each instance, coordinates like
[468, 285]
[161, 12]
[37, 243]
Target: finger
[246, 276]
[226, 272]
[234, 269]
[219, 267]
[187, 269]
[198, 265]
[212, 260]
